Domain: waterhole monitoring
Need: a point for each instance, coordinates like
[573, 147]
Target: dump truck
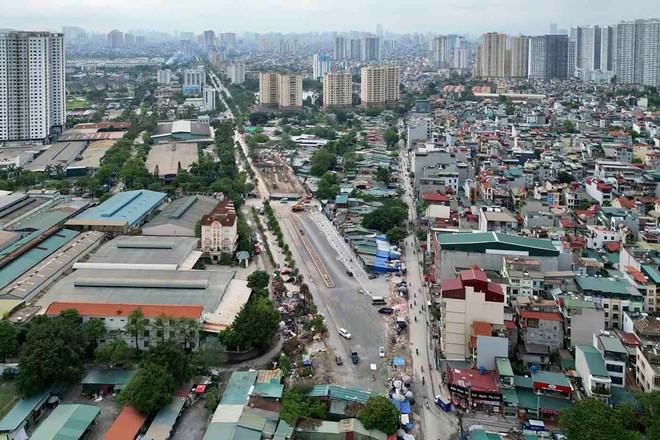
[297, 207]
[354, 356]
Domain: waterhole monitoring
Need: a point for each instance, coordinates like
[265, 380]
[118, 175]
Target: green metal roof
[510, 396]
[605, 286]
[340, 393]
[107, 376]
[163, 424]
[252, 421]
[567, 364]
[283, 431]
[271, 390]
[21, 411]
[504, 366]
[594, 360]
[238, 387]
[579, 304]
[220, 431]
[550, 377]
[246, 434]
[650, 272]
[66, 422]
[613, 344]
[34, 256]
[481, 241]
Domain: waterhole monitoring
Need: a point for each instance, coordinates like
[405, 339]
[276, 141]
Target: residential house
[219, 231]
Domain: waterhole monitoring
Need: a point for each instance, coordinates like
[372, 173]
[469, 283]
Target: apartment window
[146, 333]
[614, 368]
[615, 307]
[617, 380]
[606, 306]
[145, 344]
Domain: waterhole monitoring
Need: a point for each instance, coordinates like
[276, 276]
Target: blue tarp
[403, 407]
[398, 361]
[382, 254]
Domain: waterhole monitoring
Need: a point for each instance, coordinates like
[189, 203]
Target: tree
[322, 161]
[593, 419]
[384, 218]
[113, 353]
[136, 325]
[379, 413]
[650, 403]
[189, 331]
[8, 339]
[391, 137]
[160, 324]
[149, 390]
[212, 399]
[93, 329]
[568, 126]
[296, 406]
[565, 177]
[328, 187]
[254, 326]
[396, 234]
[258, 118]
[384, 174]
[171, 356]
[53, 351]
[258, 280]
[349, 161]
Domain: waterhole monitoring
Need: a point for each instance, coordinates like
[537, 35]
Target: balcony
[598, 390]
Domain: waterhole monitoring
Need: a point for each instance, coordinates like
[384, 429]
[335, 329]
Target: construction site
[276, 174]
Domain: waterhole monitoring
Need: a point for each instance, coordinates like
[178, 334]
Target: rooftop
[128, 206]
[126, 426]
[66, 422]
[149, 311]
[594, 360]
[124, 286]
[138, 251]
[181, 215]
[606, 286]
[482, 241]
[224, 213]
[168, 159]
[60, 154]
[21, 411]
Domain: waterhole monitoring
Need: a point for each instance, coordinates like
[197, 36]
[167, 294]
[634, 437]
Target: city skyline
[472, 17]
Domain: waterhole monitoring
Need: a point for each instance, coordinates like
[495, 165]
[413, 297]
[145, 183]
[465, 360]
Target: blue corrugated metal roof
[129, 206]
[34, 256]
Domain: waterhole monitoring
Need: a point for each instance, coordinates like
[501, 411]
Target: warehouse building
[180, 216]
[123, 212]
[56, 158]
[168, 160]
[183, 131]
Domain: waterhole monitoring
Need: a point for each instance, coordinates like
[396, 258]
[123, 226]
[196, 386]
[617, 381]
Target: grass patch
[76, 103]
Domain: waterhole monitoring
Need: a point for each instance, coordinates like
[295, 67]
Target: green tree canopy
[254, 326]
[136, 325]
[565, 177]
[54, 351]
[384, 218]
[113, 353]
[396, 234]
[258, 280]
[328, 187]
[379, 413]
[384, 174]
[93, 329]
[592, 419]
[8, 339]
[296, 406]
[149, 390]
[391, 137]
[322, 161]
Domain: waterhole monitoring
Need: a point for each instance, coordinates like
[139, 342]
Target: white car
[381, 352]
[343, 332]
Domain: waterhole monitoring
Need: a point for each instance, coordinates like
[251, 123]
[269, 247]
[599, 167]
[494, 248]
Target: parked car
[343, 332]
[373, 276]
[290, 280]
[349, 273]
[381, 352]
[386, 310]
[338, 359]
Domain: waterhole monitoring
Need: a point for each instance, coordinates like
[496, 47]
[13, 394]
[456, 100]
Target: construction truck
[297, 207]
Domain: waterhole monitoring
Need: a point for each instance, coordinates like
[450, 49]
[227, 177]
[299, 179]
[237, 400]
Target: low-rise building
[614, 295]
[180, 216]
[496, 219]
[524, 277]
[591, 367]
[465, 300]
[219, 231]
[614, 355]
[169, 159]
[647, 329]
[582, 319]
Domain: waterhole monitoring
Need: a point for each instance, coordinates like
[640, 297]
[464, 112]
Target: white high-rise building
[441, 51]
[32, 86]
[320, 65]
[165, 76]
[341, 48]
[638, 52]
[370, 48]
[236, 72]
[380, 85]
[209, 98]
[337, 89]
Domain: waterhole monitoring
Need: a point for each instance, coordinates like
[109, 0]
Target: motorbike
[415, 318]
[427, 404]
[422, 368]
[417, 351]
[423, 381]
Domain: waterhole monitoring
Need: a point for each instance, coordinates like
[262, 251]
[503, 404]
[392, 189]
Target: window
[614, 368]
[145, 344]
[146, 333]
[617, 380]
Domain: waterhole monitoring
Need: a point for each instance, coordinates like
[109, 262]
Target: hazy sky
[441, 16]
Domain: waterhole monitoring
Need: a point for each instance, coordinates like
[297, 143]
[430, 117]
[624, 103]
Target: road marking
[312, 253]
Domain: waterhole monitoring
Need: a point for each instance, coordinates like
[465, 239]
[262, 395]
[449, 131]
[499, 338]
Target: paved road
[436, 423]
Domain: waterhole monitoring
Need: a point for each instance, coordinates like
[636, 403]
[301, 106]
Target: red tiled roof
[509, 324]
[126, 426]
[626, 203]
[102, 125]
[106, 309]
[636, 274]
[481, 328]
[544, 316]
[435, 197]
[629, 339]
[474, 379]
[225, 213]
[612, 246]
[473, 274]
